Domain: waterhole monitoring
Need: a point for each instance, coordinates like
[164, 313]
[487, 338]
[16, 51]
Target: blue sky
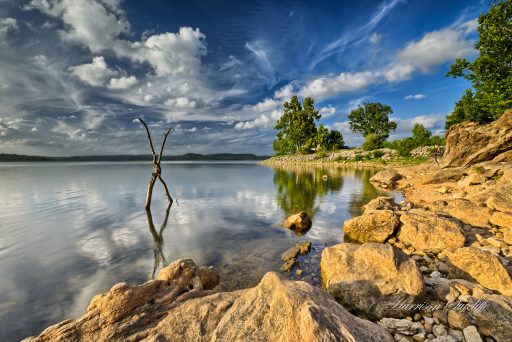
[74, 74]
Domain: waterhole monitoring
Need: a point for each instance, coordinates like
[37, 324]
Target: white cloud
[267, 105]
[8, 25]
[169, 53]
[469, 26]
[415, 97]
[95, 24]
[34, 129]
[375, 38]
[327, 111]
[436, 48]
[262, 122]
[345, 82]
[181, 103]
[95, 73]
[399, 72]
[124, 82]
[285, 92]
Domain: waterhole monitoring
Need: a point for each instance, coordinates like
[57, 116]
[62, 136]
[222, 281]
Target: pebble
[439, 330]
[435, 274]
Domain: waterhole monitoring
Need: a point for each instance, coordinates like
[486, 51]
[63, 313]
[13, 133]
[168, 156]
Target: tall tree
[296, 129]
[420, 134]
[372, 118]
[490, 73]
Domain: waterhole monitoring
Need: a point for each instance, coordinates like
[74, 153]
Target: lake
[71, 230]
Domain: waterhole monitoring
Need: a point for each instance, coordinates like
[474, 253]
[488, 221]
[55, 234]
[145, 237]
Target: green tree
[490, 73]
[296, 129]
[372, 118]
[329, 139]
[420, 135]
[373, 141]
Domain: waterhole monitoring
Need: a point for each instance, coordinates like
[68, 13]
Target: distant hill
[184, 157]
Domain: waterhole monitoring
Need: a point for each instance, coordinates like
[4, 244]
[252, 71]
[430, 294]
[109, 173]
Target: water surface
[71, 230]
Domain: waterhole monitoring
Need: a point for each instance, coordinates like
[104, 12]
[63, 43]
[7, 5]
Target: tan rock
[469, 212]
[507, 236]
[300, 223]
[492, 314]
[445, 176]
[472, 179]
[427, 231]
[501, 199]
[484, 267]
[468, 143]
[275, 310]
[501, 219]
[371, 278]
[375, 227]
[387, 177]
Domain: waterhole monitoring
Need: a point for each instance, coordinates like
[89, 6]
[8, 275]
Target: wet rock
[475, 264]
[290, 256]
[300, 223]
[427, 231]
[468, 143]
[376, 227]
[288, 265]
[372, 279]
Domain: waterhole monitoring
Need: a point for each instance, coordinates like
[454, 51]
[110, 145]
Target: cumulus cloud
[263, 121]
[124, 82]
[327, 111]
[267, 105]
[181, 103]
[95, 73]
[399, 72]
[415, 97]
[345, 82]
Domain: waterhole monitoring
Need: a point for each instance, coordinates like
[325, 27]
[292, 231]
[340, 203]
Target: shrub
[373, 141]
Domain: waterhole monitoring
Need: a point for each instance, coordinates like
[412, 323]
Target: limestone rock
[380, 203]
[300, 223]
[401, 326]
[371, 279]
[501, 199]
[476, 264]
[275, 310]
[469, 212]
[426, 231]
[493, 315]
[468, 143]
[445, 176]
[471, 334]
[501, 219]
[387, 177]
[375, 227]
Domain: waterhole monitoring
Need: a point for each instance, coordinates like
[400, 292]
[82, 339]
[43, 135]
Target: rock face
[468, 143]
[376, 227]
[300, 223]
[371, 279]
[275, 310]
[386, 178]
[426, 231]
[482, 266]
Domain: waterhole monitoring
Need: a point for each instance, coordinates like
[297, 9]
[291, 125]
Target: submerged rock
[290, 256]
[275, 310]
[371, 279]
[300, 223]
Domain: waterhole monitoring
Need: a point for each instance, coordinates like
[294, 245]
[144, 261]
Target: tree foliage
[421, 136]
[372, 118]
[373, 141]
[329, 140]
[296, 129]
[490, 73]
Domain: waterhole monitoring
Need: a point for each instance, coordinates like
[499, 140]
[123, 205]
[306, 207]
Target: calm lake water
[71, 230]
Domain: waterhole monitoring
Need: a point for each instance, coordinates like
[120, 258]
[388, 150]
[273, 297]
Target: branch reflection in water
[158, 239]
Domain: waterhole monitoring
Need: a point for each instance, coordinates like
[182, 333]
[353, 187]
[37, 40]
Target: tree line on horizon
[490, 75]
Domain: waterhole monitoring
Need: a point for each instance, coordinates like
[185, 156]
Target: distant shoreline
[184, 157]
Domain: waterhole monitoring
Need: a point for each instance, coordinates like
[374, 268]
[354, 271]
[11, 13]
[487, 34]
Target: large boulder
[427, 231]
[482, 266]
[374, 280]
[300, 223]
[468, 143]
[275, 310]
[492, 314]
[386, 178]
[501, 219]
[469, 212]
[376, 227]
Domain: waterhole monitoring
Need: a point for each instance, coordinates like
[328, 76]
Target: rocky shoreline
[436, 267]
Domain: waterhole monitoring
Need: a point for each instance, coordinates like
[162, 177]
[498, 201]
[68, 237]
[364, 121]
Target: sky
[76, 74]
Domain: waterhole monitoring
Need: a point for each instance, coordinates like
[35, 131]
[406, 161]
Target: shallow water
[72, 230]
